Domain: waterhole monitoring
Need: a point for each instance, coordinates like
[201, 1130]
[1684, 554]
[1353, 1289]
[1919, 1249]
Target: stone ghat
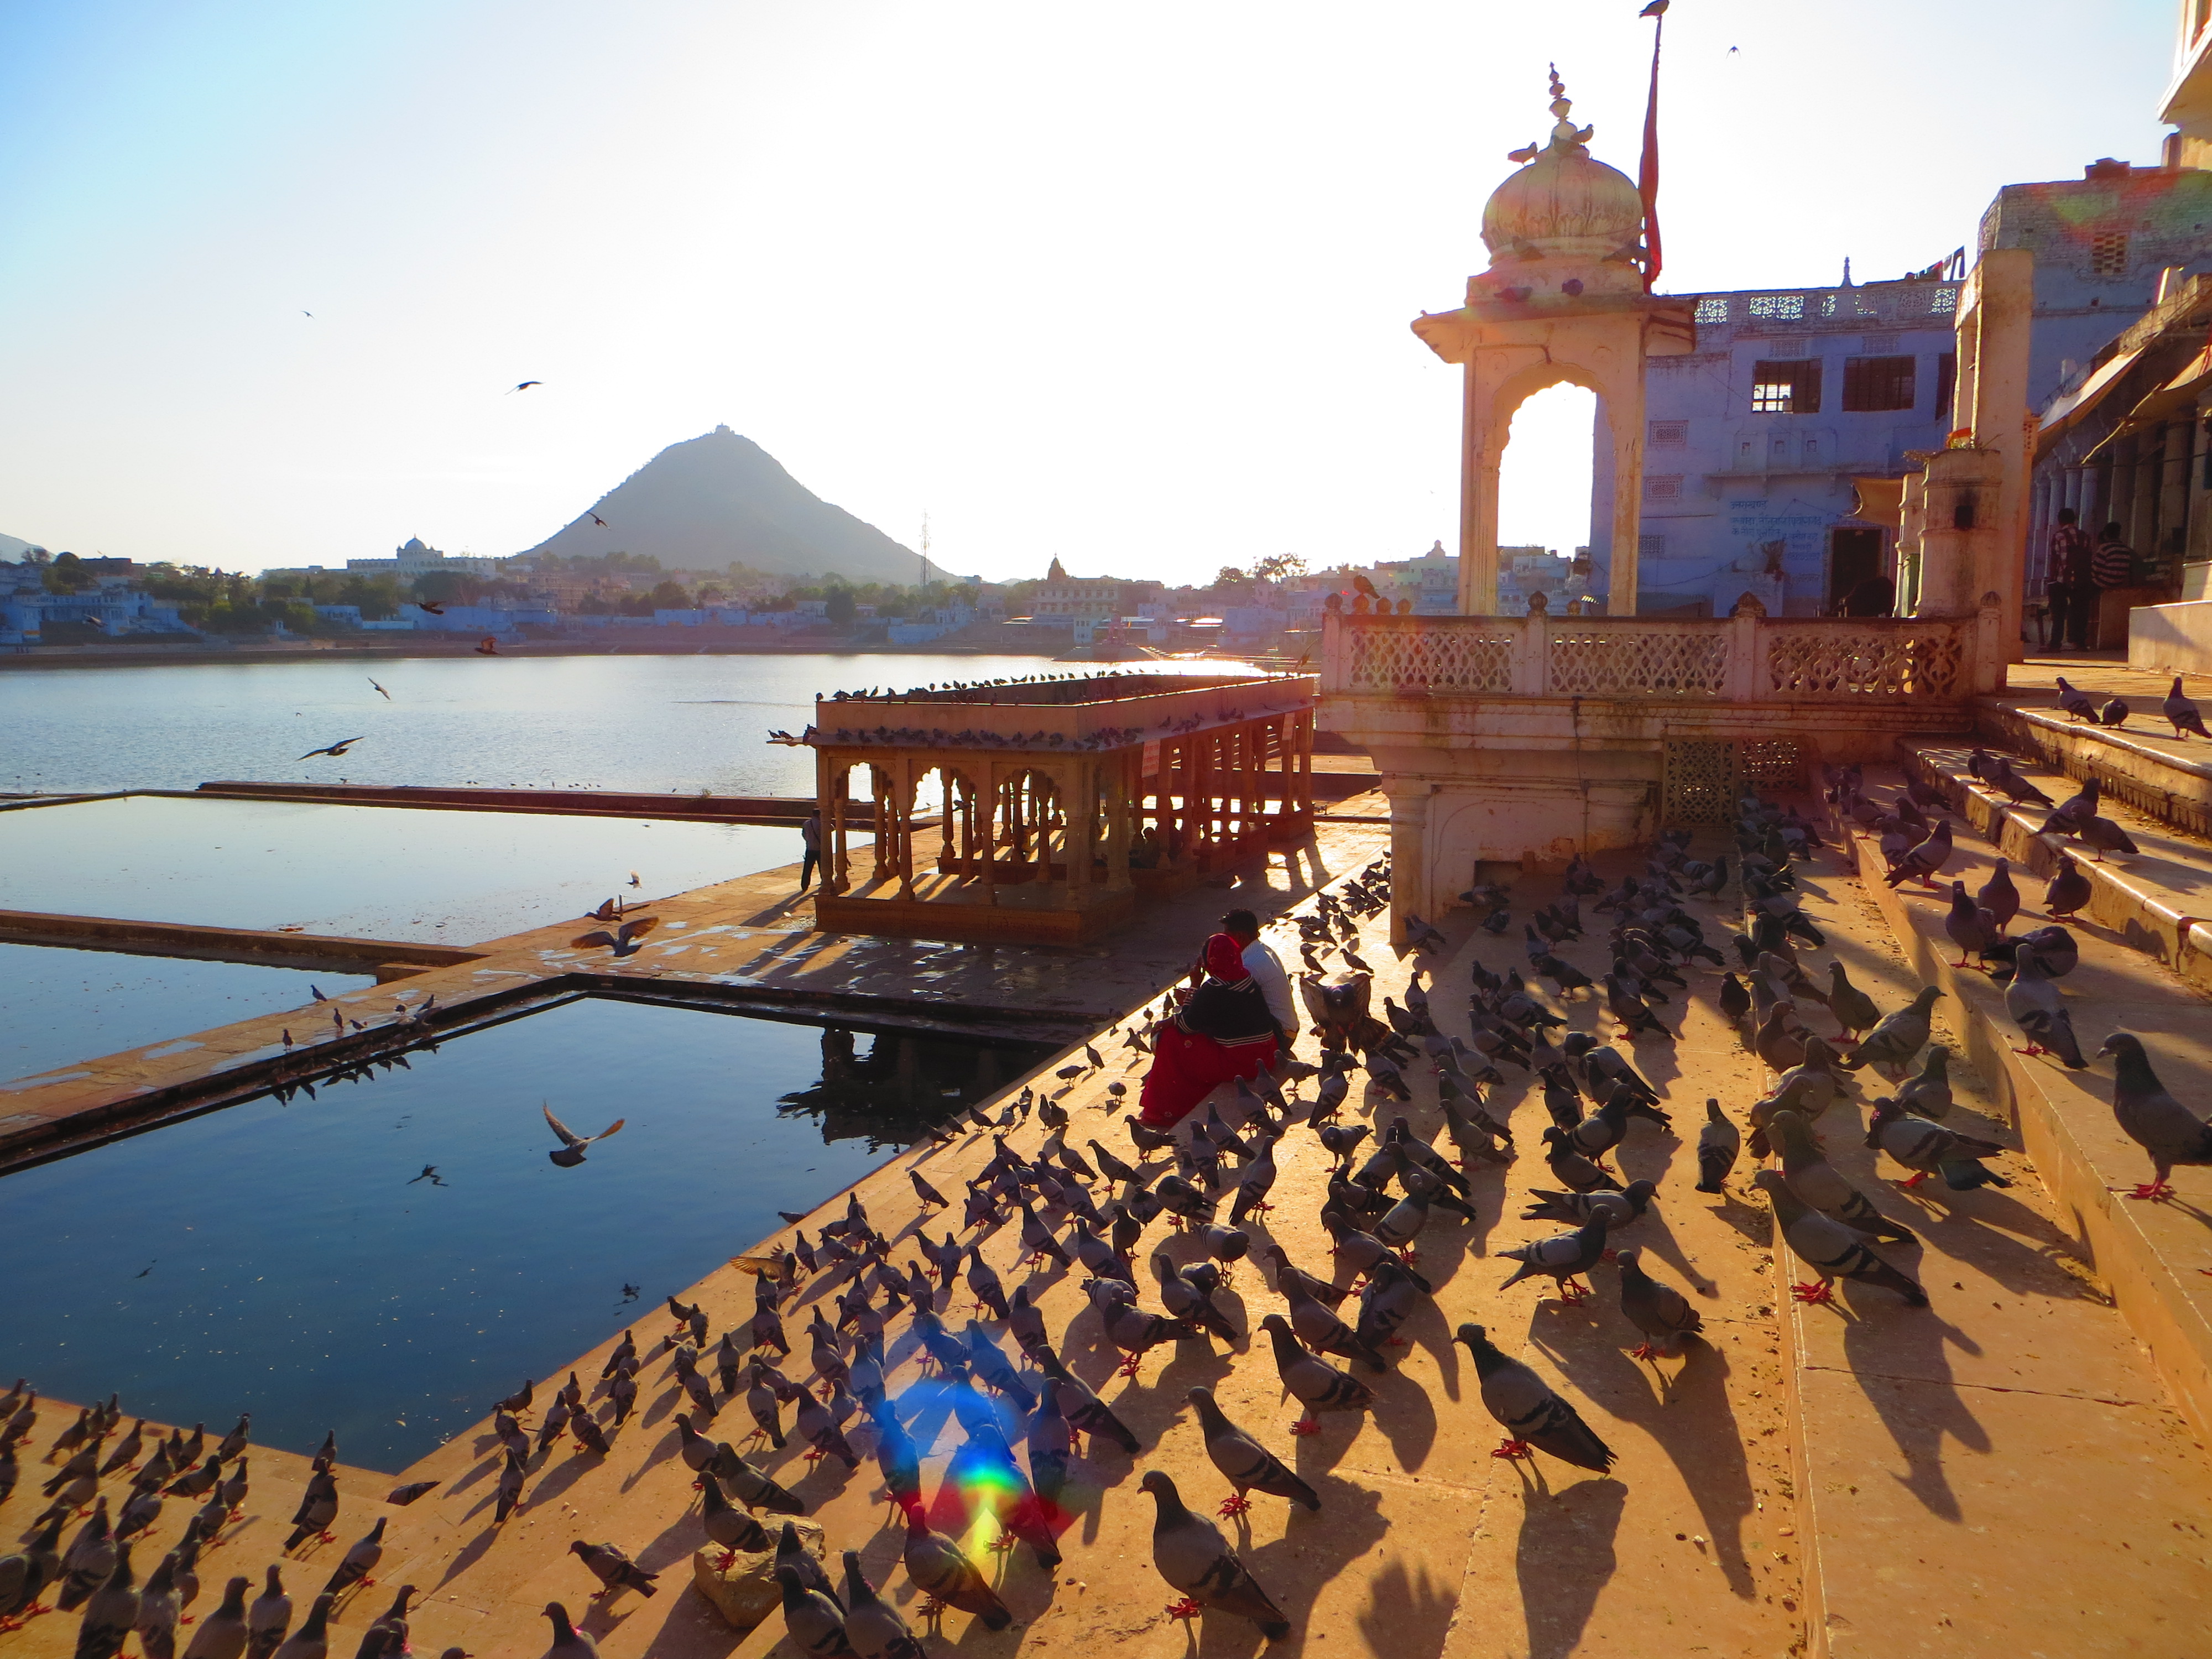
[1859, 1477]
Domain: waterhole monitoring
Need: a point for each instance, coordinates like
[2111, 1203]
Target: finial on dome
[1565, 133]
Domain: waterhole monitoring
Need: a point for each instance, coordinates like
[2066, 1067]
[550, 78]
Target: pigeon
[2106, 836]
[2069, 889]
[1185, 1302]
[571, 1151]
[813, 1620]
[1818, 1185]
[2151, 1118]
[1734, 1001]
[1920, 863]
[401, 1497]
[311, 1639]
[1854, 1009]
[1569, 1167]
[1831, 1249]
[1967, 925]
[1316, 1327]
[614, 1570]
[2182, 712]
[222, 1633]
[940, 1570]
[1998, 896]
[2075, 701]
[359, 1561]
[792, 1555]
[624, 941]
[1191, 1554]
[1718, 1143]
[1563, 1257]
[728, 1525]
[2036, 1007]
[872, 1625]
[110, 1611]
[927, 1193]
[568, 1642]
[1535, 1418]
[1928, 1094]
[1318, 1385]
[318, 1507]
[1663, 1313]
[748, 1485]
[1891, 1046]
[1614, 1209]
[1083, 1408]
[268, 1618]
[1999, 775]
[2114, 713]
[1928, 1148]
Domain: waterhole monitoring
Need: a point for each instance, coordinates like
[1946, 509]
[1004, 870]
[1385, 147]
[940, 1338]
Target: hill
[721, 499]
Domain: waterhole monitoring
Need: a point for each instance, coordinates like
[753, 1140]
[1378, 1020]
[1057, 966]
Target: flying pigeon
[570, 1152]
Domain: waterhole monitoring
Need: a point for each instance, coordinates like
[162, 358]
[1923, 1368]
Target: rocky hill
[721, 498]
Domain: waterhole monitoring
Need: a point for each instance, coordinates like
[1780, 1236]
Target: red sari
[1223, 1032]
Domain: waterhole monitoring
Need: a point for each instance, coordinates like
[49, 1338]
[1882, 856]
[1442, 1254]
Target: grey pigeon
[2114, 713]
[568, 1642]
[1928, 1148]
[1855, 1011]
[812, 1619]
[1612, 1208]
[1968, 925]
[873, 1625]
[2069, 889]
[2036, 1007]
[158, 1608]
[1718, 1143]
[2182, 712]
[1317, 1326]
[2002, 775]
[1831, 1249]
[1998, 896]
[1318, 1385]
[2076, 701]
[1193, 1556]
[29, 1570]
[573, 1145]
[1244, 1462]
[1663, 1313]
[311, 1639]
[2153, 1118]
[792, 1555]
[1920, 863]
[359, 1561]
[726, 1524]
[1928, 1094]
[938, 1569]
[110, 1611]
[1820, 1185]
[1526, 1408]
[1897, 1038]
[2106, 836]
[2077, 809]
[1563, 1257]
[222, 1634]
[269, 1617]
[2056, 951]
[613, 1569]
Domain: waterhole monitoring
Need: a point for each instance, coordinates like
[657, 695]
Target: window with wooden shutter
[1877, 383]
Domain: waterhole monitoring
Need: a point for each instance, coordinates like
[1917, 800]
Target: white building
[414, 559]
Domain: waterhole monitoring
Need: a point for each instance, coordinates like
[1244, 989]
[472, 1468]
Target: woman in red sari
[1225, 1031]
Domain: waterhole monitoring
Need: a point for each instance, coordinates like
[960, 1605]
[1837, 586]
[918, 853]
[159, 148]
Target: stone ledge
[2133, 768]
[2150, 1254]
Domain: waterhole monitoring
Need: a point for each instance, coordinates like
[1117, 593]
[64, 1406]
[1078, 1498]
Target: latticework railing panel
[1386, 658]
[1639, 661]
[1841, 660]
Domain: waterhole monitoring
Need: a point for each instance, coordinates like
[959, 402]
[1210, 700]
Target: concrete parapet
[2127, 767]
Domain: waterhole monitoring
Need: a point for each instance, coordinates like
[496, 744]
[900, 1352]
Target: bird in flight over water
[334, 749]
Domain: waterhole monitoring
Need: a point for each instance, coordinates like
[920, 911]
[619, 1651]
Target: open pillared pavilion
[1055, 803]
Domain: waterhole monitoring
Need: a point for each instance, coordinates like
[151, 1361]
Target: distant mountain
[722, 498]
[12, 548]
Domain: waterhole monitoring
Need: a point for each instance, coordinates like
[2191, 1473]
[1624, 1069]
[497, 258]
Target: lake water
[650, 723]
[392, 872]
[293, 1262]
[61, 1006]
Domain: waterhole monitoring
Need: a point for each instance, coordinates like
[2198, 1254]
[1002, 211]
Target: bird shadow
[469, 1556]
[1564, 1558]
[1407, 1611]
[1688, 1413]
[663, 1450]
[1899, 1357]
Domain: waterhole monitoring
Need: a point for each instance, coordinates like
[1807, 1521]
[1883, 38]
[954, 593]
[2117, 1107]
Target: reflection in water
[388, 1251]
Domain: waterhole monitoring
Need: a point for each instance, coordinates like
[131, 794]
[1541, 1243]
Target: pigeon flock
[999, 1379]
[1100, 688]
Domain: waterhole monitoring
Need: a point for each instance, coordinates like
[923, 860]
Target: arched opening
[1544, 486]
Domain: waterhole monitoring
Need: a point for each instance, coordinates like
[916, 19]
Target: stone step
[1923, 1438]
[2156, 901]
[2156, 1257]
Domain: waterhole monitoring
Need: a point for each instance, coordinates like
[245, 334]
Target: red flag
[1647, 171]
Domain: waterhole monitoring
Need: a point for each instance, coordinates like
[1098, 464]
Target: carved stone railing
[1745, 658]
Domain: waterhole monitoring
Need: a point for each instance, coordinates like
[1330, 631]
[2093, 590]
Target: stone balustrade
[1745, 658]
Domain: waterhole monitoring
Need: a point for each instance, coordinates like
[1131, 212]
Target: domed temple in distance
[1510, 739]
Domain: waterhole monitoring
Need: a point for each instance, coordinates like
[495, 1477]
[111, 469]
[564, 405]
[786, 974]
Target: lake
[682, 724]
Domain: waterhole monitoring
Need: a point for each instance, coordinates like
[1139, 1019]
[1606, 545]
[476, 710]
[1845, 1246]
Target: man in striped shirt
[2113, 563]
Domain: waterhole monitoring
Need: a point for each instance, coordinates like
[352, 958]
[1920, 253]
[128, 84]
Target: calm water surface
[291, 1261]
[58, 1006]
[365, 872]
[655, 723]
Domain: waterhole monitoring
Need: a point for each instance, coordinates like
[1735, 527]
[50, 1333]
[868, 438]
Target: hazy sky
[1129, 284]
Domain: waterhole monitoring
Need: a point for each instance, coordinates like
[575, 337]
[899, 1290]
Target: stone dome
[1564, 202]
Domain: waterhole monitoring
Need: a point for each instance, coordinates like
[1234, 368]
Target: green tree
[841, 606]
[669, 597]
[1278, 567]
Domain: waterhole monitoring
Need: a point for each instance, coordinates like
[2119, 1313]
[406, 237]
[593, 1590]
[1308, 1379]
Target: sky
[1129, 285]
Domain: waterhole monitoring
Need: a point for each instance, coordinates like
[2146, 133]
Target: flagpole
[1647, 171]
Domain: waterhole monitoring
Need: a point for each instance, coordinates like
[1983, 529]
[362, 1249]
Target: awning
[2178, 394]
[1881, 500]
[2064, 410]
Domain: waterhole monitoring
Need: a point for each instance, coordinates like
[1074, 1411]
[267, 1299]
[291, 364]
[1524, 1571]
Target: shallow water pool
[388, 1257]
[58, 1006]
[393, 872]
